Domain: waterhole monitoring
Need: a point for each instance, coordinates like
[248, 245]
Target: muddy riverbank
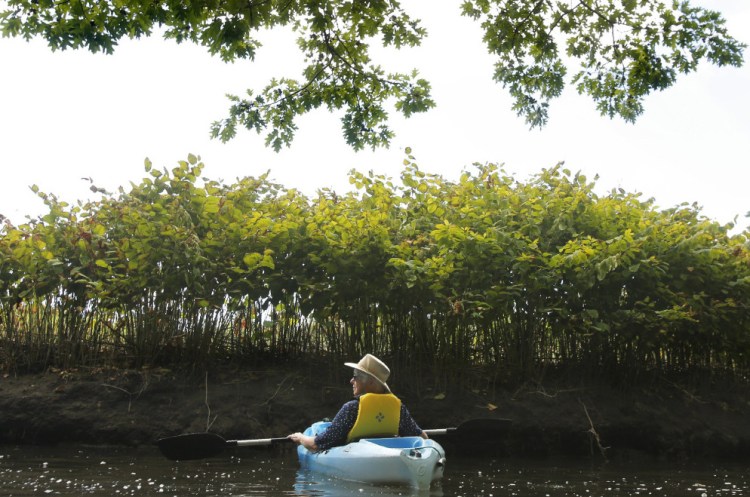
[659, 418]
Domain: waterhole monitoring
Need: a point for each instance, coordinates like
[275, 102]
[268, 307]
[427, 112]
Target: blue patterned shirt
[344, 421]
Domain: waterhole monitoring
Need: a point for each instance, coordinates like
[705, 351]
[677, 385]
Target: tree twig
[592, 431]
[144, 386]
[268, 400]
[688, 394]
[129, 393]
[209, 422]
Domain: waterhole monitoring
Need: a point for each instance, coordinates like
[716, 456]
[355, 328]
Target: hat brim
[356, 366]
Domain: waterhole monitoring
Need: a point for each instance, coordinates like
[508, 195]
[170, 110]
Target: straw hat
[373, 367]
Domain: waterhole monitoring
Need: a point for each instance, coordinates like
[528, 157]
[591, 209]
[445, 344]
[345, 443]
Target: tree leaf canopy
[615, 51]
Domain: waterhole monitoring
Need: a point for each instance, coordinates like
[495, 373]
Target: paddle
[201, 445]
[475, 428]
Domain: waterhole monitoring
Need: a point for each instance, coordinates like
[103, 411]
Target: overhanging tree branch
[617, 71]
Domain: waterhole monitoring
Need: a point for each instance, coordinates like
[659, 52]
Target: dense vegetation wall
[486, 274]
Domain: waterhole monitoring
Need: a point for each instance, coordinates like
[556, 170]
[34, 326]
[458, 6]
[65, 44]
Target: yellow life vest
[378, 415]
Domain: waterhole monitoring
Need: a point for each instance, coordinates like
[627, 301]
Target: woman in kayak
[374, 412]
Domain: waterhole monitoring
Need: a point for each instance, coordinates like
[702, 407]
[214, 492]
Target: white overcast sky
[71, 115]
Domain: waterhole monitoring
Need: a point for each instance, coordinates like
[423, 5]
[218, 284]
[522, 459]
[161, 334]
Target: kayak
[412, 461]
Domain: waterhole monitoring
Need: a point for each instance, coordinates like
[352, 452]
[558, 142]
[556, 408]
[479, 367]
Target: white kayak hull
[411, 461]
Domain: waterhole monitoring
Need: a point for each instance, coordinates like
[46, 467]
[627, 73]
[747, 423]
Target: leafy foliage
[625, 49]
[486, 272]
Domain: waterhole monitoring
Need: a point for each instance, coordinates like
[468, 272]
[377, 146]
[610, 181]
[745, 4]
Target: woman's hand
[304, 440]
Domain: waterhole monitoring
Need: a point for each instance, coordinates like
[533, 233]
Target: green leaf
[252, 260]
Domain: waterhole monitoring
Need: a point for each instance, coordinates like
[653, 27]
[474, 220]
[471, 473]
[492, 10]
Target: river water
[97, 471]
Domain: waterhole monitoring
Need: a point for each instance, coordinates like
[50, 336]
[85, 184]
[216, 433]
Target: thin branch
[689, 395]
[267, 401]
[128, 393]
[585, 3]
[209, 422]
[593, 432]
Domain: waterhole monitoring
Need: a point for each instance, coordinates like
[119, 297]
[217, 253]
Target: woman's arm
[407, 426]
[335, 434]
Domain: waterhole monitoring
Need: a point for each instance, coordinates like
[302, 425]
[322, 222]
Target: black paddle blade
[482, 436]
[487, 428]
[191, 446]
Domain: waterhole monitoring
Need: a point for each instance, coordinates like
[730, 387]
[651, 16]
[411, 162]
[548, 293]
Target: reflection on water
[311, 484]
[97, 471]
[308, 483]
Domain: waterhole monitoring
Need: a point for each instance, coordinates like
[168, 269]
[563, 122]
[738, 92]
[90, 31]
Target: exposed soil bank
[662, 418]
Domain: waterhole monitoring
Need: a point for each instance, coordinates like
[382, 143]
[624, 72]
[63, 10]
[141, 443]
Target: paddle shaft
[258, 442]
[439, 431]
[469, 426]
[201, 445]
